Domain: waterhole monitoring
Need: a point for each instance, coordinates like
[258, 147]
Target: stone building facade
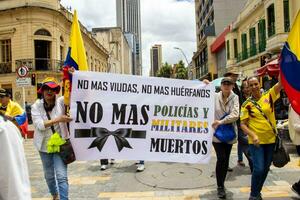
[35, 34]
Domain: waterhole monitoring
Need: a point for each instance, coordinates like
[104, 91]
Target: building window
[42, 32]
[271, 20]
[61, 53]
[262, 35]
[227, 50]
[244, 46]
[286, 13]
[252, 35]
[235, 46]
[5, 50]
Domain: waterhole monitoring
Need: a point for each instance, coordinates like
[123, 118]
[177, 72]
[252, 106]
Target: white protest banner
[141, 118]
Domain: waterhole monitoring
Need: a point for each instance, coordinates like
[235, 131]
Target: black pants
[104, 161]
[298, 149]
[223, 153]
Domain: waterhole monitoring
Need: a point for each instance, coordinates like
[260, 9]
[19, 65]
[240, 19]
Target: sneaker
[229, 169]
[112, 161]
[256, 198]
[295, 188]
[103, 167]
[221, 193]
[241, 163]
[140, 168]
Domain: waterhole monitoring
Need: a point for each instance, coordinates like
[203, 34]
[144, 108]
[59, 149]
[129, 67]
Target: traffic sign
[22, 71]
[23, 82]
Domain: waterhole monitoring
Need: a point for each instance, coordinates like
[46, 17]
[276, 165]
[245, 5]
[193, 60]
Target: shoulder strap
[52, 127]
[263, 114]
[230, 108]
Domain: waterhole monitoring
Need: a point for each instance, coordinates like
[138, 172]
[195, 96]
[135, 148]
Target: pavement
[160, 180]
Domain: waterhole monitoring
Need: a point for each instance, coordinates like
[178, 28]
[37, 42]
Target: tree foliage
[165, 71]
[180, 71]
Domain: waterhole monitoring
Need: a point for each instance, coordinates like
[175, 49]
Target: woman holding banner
[48, 116]
[258, 122]
[226, 115]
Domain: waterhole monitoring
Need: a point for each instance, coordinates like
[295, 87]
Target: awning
[271, 68]
[220, 41]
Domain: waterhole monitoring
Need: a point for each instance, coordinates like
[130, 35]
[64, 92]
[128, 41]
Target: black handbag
[66, 150]
[67, 153]
[280, 155]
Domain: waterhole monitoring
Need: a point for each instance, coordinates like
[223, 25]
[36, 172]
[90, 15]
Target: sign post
[23, 81]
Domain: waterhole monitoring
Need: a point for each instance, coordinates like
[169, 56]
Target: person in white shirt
[55, 171]
[14, 178]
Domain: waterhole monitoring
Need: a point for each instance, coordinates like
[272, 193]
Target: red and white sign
[22, 71]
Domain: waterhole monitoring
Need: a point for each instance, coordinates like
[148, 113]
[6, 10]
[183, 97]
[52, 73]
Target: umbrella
[217, 82]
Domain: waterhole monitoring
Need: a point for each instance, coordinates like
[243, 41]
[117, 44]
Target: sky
[170, 23]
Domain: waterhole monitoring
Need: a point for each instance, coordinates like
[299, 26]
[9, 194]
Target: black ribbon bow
[102, 134]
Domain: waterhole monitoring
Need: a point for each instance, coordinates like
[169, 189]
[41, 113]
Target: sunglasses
[46, 88]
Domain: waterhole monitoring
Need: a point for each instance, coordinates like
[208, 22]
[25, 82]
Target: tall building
[212, 17]
[129, 20]
[156, 59]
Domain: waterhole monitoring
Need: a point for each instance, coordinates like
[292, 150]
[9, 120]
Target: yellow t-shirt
[256, 121]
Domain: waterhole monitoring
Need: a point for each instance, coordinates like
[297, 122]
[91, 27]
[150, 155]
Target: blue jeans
[55, 172]
[262, 159]
[142, 162]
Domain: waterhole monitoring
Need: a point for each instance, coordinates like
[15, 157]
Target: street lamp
[182, 54]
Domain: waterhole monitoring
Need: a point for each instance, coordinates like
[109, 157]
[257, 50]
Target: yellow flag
[294, 37]
[78, 53]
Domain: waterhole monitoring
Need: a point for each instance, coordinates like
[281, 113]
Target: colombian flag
[290, 65]
[76, 58]
[14, 110]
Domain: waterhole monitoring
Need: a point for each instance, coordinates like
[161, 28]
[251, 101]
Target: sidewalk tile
[125, 194]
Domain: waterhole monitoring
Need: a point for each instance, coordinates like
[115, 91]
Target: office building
[129, 20]
[156, 59]
[212, 17]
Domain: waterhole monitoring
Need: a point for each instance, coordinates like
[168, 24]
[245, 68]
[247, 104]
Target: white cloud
[170, 23]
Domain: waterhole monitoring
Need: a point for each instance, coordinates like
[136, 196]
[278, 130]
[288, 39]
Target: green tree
[180, 71]
[165, 71]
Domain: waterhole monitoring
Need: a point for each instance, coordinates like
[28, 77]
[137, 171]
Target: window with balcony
[61, 53]
[286, 13]
[244, 46]
[252, 35]
[5, 51]
[5, 56]
[227, 50]
[42, 49]
[261, 35]
[235, 47]
[271, 20]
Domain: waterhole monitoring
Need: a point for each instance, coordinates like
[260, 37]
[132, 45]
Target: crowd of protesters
[248, 109]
